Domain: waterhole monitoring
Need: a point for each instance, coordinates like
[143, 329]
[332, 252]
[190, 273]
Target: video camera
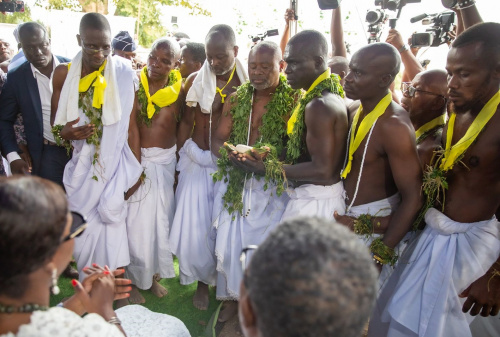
[261, 37]
[12, 6]
[438, 33]
[377, 17]
[329, 4]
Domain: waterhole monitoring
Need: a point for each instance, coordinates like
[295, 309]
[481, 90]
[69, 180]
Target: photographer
[411, 65]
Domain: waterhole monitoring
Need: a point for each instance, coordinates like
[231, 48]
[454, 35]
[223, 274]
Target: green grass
[177, 303]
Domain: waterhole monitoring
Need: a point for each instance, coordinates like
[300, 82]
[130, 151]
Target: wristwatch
[403, 48]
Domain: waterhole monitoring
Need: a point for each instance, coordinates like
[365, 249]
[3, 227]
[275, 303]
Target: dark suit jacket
[20, 94]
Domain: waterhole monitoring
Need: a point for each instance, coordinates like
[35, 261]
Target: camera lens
[449, 3]
[373, 16]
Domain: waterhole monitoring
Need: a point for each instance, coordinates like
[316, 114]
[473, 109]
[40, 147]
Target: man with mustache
[457, 254]
[192, 237]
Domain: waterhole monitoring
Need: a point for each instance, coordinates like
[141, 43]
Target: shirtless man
[457, 254]
[192, 237]
[425, 100]
[317, 131]
[243, 121]
[151, 208]
[383, 176]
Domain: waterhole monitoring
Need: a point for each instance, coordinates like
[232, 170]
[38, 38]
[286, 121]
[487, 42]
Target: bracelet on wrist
[466, 4]
[383, 254]
[404, 48]
[115, 320]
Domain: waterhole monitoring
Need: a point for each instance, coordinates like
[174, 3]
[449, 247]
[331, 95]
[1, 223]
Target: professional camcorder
[12, 6]
[261, 37]
[329, 4]
[377, 17]
[438, 33]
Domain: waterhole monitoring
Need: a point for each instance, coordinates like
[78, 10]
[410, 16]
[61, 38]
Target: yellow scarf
[365, 126]
[97, 80]
[438, 121]
[222, 96]
[163, 97]
[452, 153]
[293, 117]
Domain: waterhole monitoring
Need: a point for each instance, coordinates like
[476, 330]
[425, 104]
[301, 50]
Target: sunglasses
[410, 90]
[78, 226]
[243, 256]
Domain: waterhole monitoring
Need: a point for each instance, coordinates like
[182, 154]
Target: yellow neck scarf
[365, 126]
[97, 80]
[438, 121]
[163, 97]
[452, 153]
[293, 117]
[219, 90]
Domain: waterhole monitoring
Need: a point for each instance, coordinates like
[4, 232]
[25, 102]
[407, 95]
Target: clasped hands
[251, 161]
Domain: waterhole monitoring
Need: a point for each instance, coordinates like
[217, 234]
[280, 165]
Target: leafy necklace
[273, 135]
[296, 145]
[151, 105]
[430, 127]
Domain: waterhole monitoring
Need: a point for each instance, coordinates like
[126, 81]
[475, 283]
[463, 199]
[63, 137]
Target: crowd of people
[286, 182]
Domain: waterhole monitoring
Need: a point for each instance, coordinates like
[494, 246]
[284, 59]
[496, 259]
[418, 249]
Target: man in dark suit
[28, 90]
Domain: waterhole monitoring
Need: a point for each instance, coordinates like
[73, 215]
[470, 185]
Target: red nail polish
[106, 272]
[85, 268]
[94, 264]
[74, 283]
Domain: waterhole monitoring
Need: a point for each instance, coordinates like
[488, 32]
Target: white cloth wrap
[421, 297]
[203, 91]
[315, 200]
[102, 202]
[138, 321]
[112, 110]
[235, 232]
[192, 237]
[381, 208]
[150, 213]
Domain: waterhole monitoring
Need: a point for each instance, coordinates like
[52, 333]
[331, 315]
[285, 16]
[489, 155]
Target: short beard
[225, 71]
[476, 100]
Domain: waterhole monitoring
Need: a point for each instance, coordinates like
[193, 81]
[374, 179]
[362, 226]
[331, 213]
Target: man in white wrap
[382, 173]
[151, 208]
[245, 215]
[103, 166]
[316, 130]
[192, 237]
[453, 266]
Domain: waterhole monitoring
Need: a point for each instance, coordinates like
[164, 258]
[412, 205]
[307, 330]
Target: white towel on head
[67, 109]
[203, 89]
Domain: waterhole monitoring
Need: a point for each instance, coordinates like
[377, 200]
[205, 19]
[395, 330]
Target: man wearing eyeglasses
[92, 105]
[425, 100]
[28, 91]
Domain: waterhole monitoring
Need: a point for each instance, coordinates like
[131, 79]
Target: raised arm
[337, 34]
[401, 150]
[411, 64]
[470, 16]
[289, 15]
[223, 131]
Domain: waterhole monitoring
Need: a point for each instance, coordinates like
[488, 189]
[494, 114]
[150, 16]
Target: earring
[54, 289]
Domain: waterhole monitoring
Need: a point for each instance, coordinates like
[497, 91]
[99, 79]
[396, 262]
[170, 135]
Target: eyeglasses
[243, 256]
[410, 90]
[92, 51]
[78, 226]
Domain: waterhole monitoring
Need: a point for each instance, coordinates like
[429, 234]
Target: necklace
[429, 128]
[25, 308]
[222, 96]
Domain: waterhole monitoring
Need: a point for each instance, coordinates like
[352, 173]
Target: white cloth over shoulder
[67, 109]
[421, 297]
[138, 321]
[315, 200]
[102, 201]
[202, 91]
[60, 322]
[235, 232]
[150, 213]
[192, 237]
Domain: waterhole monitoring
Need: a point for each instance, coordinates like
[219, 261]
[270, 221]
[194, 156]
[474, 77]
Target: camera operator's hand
[395, 39]
[289, 15]
[414, 50]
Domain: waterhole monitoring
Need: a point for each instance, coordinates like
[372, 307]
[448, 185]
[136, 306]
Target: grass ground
[178, 302]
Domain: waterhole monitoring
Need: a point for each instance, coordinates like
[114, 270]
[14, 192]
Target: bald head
[435, 80]
[267, 47]
[170, 45]
[382, 56]
[311, 40]
[94, 21]
[221, 33]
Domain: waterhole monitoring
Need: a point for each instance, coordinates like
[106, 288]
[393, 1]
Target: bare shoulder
[189, 81]
[396, 127]
[59, 75]
[328, 105]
